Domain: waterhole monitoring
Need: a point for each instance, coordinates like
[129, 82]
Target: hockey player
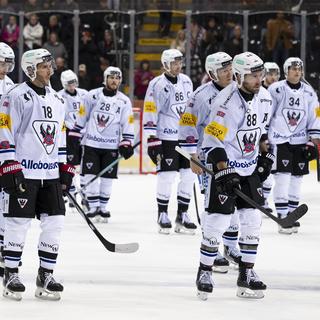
[294, 129]
[6, 66]
[109, 131]
[272, 74]
[231, 142]
[164, 103]
[192, 124]
[74, 98]
[33, 172]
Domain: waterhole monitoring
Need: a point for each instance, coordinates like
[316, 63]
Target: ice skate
[204, 284]
[284, 230]
[249, 284]
[295, 227]
[47, 287]
[85, 204]
[221, 264]
[184, 224]
[93, 214]
[233, 255]
[104, 216]
[164, 223]
[13, 287]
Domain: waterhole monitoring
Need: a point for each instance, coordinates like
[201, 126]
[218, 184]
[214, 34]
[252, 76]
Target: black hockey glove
[264, 165]
[125, 149]
[67, 172]
[309, 151]
[155, 150]
[226, 181]
[12, 178]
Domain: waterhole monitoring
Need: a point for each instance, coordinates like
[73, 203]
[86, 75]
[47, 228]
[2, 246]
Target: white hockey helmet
[292, 62]
[7, 56]
[31, 58]
[111, 71]
[246, 63]
[68, 77]
[169, 56]
[216, 61]
[271, 67]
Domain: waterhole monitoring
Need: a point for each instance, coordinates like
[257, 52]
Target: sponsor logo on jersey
[150, 106]
[53, 247]
[22, 202]
[188, 119]
[5, 103]
[131, 119]
[30, 164]
[170, 131]
[89, 165]
[99, 139]
[190, 139]
[216, 130]
[103, 120]
[301, 165]
[248, 140]
[4, 144]
[222, 198]
[317, 110]
[82, 110]
[293, 117]
[15, 245]
[221, 114]
[46, 132]
[285, 162]
[244, 164]
[5, 121]
[178, 109]
[169, 162]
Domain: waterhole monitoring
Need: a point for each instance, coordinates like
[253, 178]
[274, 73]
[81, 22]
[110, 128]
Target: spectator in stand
[55, 47]
[55, 79]
[179, 42]
[197, 35]
[165, 17]
[107, 45]
[5, 7]
[97, 78]
[33, 32]
[142, 78]
[213, 37]
[235, 45]
[10, 32]
[53, 26]
[279, 38]
[68, 5]
[31, 5]
[84, 82]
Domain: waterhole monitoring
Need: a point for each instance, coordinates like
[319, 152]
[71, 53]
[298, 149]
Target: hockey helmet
[111, 71]
[31, 58]
[169, 56]
[68, 77]
[246, 63]
[7, 56]
[271, 67]
[292, 62]
[216, 61]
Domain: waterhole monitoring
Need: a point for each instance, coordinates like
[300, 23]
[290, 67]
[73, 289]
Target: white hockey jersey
[5, 85]
[107, 119]
[164, 103]
[236, 126]
[32, 131]
[296, 115]
[196, 117]
[74, 108]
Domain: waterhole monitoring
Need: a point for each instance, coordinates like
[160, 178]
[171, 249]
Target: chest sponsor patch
[216, 130]
[293, 117]
[103, 120]
[46, 132]
[248, 140]
[188, 119]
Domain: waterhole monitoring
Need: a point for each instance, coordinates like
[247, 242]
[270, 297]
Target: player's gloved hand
[125, 149]
[309, 151]
[12, 178]
[67, 172]
[264, 165]
[155, 150]
[227, 180]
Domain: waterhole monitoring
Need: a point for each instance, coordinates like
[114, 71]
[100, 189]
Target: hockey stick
[103, 171]
[288, 221]
[196, 203]
[119, 248]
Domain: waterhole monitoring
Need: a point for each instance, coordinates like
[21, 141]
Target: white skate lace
[185, 218]
[205, 277]
[253, 276]
[219, 256]
[48, 278]
[163, 218]
[14, 279]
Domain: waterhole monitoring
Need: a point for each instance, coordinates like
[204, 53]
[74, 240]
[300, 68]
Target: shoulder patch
[216, 130]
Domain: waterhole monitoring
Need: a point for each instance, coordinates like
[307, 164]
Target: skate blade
[220, 269]
[249, 294]
[285, 231]
[17, 296]
[102, 219]
[181, 229]
[47, 295]
[164, 230]
[295, 229]
[203, 296]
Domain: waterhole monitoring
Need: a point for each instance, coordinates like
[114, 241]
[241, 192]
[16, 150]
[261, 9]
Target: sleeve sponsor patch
[150, 106]
[317, 112]
[131, 119]
[188, 119]
[5, 121]
[216, 130]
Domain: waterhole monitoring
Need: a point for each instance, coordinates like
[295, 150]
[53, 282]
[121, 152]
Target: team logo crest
[285, 162]
[169, 162]
[103, 120]
[46, 132]
[248, 140]
[70, 157]
[301, 165]
[293, 117]
[222, 198]
[89, 165]
[178, 109]
[22, 202]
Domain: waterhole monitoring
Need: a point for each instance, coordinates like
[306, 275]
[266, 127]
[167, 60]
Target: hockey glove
[264, 165]
[155, 150]
[309, 151]
[126, 149]
[12, 178]
[226, 180]
[67, 172]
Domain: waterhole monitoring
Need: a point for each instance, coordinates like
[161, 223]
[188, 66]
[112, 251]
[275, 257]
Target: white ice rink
[158, 282]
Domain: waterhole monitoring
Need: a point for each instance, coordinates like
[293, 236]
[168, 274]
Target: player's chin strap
[288, 221]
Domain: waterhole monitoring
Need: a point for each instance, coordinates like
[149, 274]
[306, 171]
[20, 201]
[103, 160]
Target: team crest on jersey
[70, 157]
[22, 202]
[285, 162]
[248, 140]
[178, 109]
[222, 198]
[293, 117]
[46, 132]
[89, 165]
[169, 162]
[103, 120]
[301, 165]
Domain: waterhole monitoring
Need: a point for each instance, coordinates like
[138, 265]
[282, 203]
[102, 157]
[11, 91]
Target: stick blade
[293, 216]
[126, 247]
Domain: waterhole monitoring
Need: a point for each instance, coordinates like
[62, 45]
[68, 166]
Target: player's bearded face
[113, 82]
[252, 82]
[294, 74]
[44, 72]
[225, 75]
